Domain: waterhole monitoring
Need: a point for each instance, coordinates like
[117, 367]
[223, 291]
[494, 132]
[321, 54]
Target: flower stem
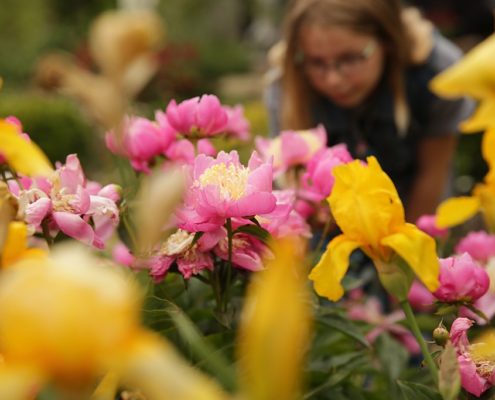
[411, 319]
[228, 278]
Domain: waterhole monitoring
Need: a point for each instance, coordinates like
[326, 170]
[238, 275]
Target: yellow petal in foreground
[488, 149]
[419, 251]
[332, 267]
[485, 192]
[19, 382]
[15, 246]
[482, 118]
[154, 367]
[275, 328]
[22, 155]
[472, 75]
[66, 316]
[456, 210]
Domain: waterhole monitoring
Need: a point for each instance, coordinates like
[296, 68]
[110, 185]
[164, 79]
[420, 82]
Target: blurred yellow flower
[73, 318]
[473, 75]
[15, 245]
[275, 328]
[367, 208]
[457, 210]
[22, 155]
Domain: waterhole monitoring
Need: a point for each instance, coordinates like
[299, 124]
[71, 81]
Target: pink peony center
[231, 180]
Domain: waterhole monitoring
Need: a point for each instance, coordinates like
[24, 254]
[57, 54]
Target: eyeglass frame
[323, 67]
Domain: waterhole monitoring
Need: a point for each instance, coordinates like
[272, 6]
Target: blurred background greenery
[211, 46]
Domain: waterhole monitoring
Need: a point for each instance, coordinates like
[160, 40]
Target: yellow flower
[72, 318]
[22, 155]
[473, 76]
[275, 328]
[367, 208]
[457, 210]
[15, 246]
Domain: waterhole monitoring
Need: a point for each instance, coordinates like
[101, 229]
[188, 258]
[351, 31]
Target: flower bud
[441, 335]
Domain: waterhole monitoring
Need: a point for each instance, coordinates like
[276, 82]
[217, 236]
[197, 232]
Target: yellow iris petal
[482, 118]
[488, 147]
[275, 328]
[332, 267]
[22, 155]
[419, 251]
[486, 195]
[473, 75]
[364, 202]
[456, 210]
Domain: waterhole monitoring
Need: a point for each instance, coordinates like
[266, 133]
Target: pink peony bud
[461, 279]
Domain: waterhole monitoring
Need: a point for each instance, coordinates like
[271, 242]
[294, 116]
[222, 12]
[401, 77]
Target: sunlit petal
[419, 251]
[275, 328]
[22, 155]
[364, 202]
[456, 210]
[332, 267]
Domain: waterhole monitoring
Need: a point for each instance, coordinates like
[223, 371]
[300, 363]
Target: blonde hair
[379, 18]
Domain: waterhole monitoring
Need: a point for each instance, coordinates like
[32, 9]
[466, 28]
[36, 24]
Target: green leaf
[416, 391]
[213, 359]
[393, 356]
[450, 379]
[254, 230]
[346, 327]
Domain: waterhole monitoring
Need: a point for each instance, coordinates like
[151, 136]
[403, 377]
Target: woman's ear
[420, 33]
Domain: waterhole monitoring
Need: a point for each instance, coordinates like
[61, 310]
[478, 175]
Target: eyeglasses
[347, 65]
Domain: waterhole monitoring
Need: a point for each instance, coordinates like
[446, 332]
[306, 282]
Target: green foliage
[57, 126]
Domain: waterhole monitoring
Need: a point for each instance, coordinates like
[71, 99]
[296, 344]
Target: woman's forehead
[331, 41]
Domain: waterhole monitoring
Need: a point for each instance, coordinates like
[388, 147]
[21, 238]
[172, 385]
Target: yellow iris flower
[367, 208]
[22, 155]
[473, 76]
[457, 210]
[275, 328]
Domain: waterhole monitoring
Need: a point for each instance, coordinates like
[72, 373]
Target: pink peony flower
[420, 297]
[237, 125]
[317, 181]
[66, 203]
[141, 141]
[222, 188]
[284, 220]
[479, 245]
[476, 375]
[191, 258]
[122, 255]
[292, 148]
[371, 312]
[461, 279]
[203, 116]
[247, 251]
[427, 223]
[183, 151]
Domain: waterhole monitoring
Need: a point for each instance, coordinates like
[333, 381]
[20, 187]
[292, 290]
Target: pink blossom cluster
[222, 195]
[68, 202]
[302, 161]
[178, 134]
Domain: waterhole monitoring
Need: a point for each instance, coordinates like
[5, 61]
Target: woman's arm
[435, 155]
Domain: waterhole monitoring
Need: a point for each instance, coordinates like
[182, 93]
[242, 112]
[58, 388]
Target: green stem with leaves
[411, 319]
